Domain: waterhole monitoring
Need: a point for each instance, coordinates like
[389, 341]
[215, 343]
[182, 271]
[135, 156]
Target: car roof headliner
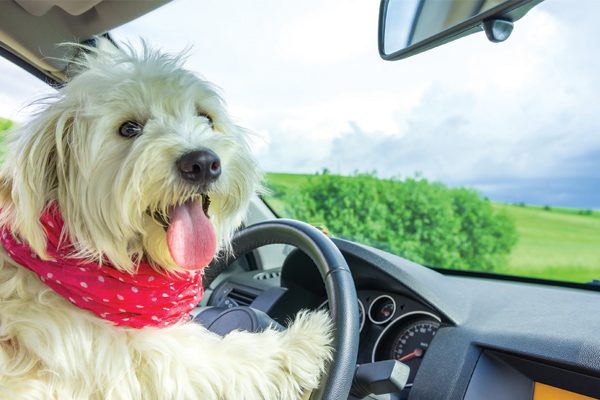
[30, 30]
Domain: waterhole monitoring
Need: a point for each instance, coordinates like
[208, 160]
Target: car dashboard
[463, 337]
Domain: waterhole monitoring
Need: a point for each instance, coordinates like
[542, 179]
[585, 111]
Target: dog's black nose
[201, 166]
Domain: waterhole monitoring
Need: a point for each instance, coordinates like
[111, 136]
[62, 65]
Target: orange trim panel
[546, 392]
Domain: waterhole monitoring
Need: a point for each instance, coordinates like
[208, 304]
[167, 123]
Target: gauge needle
[417, 353]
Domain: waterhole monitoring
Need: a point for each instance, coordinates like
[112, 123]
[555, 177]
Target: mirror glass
[408, 22]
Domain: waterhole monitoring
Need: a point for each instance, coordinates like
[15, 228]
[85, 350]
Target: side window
[18, 91]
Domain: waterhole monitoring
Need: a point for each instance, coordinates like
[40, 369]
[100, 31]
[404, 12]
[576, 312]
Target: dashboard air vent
[261, 276]
[241, 297]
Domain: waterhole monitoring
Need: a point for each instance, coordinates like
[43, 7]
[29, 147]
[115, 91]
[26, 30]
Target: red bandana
[147, 298]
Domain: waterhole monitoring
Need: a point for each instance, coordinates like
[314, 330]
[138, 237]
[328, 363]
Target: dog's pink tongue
[191, 236]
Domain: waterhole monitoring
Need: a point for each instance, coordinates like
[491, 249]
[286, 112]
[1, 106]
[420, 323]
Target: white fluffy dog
[112, 200]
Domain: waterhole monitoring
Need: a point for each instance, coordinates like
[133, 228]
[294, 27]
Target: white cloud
[338, 33]
[521, 109]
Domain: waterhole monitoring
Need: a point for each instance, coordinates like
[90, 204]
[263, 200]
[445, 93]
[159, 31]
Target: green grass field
[559, 244]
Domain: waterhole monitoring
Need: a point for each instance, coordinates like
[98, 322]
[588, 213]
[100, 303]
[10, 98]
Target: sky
[517, 121]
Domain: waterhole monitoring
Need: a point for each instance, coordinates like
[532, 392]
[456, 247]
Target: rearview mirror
[408, 27]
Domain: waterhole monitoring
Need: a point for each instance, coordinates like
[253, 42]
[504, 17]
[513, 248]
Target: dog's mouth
[164, 219]
[191, 236]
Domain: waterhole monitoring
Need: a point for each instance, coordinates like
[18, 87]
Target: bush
[423, 221]
[5, 124]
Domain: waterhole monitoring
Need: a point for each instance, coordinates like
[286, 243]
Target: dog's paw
[308, 342]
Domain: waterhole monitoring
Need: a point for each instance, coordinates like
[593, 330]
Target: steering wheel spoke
[221, 320]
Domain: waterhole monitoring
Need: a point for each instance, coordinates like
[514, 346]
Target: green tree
[423, 221]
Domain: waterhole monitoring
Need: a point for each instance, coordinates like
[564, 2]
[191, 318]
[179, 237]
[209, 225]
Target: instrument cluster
[394, 327]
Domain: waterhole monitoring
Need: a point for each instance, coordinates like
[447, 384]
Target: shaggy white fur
[108, 189]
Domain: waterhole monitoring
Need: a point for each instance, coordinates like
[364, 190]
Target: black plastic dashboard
[483, 335]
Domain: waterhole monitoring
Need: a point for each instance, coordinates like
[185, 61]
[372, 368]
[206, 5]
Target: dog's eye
[205, 115]
[131, 129]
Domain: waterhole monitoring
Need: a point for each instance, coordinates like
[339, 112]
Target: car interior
[462, 335]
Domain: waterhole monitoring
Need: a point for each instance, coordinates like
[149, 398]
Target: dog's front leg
[242, 365]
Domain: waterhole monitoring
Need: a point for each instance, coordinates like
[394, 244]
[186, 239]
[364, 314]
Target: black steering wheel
[341, 293]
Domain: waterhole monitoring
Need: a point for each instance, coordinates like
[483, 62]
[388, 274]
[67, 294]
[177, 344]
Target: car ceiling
[30, 30]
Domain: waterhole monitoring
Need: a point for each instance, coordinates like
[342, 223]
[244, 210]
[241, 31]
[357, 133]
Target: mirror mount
[497, 30]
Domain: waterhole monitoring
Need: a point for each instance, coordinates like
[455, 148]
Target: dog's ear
[36, 155]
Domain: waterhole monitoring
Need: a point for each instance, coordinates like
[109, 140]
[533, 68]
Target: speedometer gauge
[407, 340]
[412, 342]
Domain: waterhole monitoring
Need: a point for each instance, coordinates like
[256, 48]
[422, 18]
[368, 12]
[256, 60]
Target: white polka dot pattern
[147, 298]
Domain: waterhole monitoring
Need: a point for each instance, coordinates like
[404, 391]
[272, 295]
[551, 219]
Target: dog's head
[142, 159]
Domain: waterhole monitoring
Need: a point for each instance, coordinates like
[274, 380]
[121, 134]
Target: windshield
[471, 156]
